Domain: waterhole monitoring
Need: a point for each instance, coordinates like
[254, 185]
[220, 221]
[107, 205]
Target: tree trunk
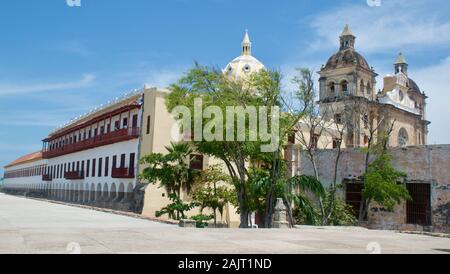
[289, 212]
[363, 210]
[333, 190]
[243, 207]
[316, 175]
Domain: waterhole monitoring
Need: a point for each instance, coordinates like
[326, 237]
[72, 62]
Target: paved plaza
[31, 226]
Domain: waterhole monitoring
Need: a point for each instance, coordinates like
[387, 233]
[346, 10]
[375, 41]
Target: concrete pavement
[30, 226]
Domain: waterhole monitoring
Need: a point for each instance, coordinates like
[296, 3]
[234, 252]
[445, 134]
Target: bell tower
[401, 65]
[246, 45]
[347, 38]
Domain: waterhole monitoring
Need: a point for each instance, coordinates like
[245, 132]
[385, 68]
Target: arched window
[331, 89]
[362, 87]
[369, 89]
[402, 137]
[401, 95]
[344, 86]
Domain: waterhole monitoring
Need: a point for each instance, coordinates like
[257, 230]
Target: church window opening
[336, 143]
[362, 87]
[402, 138]
[291, 138]
[366, 121]
[331, 89]
[338, 118]
[344, 86]
[401, 95]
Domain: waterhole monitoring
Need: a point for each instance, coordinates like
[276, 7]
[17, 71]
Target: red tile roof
[27, 158]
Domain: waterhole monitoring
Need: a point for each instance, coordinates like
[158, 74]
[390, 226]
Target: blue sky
[57, 62]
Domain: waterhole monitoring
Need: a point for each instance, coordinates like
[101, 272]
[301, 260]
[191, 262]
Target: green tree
[293, 192]
[213, 190]
[176, 210]
[172, 170]
[382, 181]
[216, 89]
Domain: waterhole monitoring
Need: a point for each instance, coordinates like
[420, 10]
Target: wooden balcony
[113, 137]
[123, 173]
[46, 178]
[74, 175]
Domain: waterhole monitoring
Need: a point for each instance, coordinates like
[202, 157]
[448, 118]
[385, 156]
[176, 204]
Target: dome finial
[401, 65]
[401, 59]
[246, 44]
[347, 31]
[347, 38]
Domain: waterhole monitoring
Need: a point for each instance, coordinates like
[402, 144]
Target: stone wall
[424, 164]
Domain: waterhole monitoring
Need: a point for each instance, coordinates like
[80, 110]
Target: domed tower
[402, 91]
[245, 64]
[403, 94]
[347, 78]
[346, 73]
[401, 65]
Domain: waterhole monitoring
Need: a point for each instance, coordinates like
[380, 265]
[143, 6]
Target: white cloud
[16, 89]
[22, 148]
[395, 24]
[39, 117]
[163, 78]
[434, 81]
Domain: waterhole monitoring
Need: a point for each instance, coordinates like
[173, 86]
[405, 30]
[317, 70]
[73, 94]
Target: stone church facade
[348, 96]
[348, 80]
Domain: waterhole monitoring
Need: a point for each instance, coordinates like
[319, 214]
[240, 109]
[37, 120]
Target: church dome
[412, 85]
[345, 58]
[245, 64]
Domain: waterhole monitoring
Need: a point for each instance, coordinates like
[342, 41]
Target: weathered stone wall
[424, 164]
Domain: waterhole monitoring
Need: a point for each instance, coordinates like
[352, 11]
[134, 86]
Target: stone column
[279, 216]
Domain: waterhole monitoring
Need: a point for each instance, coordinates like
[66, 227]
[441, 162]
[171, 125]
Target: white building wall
[117, 149]
[29, 182]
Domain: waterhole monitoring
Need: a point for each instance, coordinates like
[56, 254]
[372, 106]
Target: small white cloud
[163, 78]
[38, 117]
[7, 89]
[395, 24]
[434, 81]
